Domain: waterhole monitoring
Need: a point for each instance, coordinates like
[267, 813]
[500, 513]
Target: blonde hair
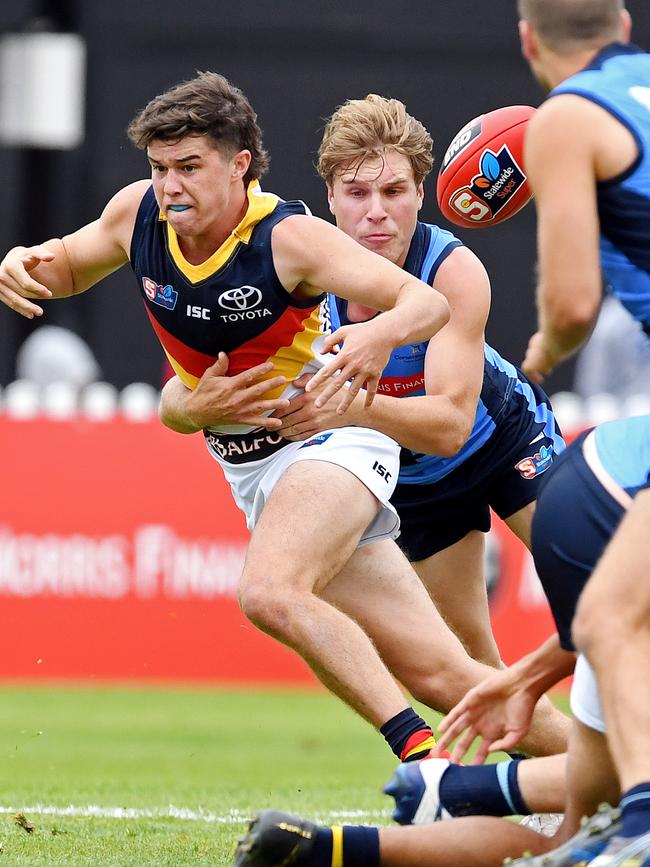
[564, 25]
[365, 128]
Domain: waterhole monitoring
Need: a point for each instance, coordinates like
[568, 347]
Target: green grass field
[129, 755]
[154, 776]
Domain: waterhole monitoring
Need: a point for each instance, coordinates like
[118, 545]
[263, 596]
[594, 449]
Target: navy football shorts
[504, 474]
[574, 520]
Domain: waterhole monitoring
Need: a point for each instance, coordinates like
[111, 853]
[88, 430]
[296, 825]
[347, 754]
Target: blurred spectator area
[296, 61]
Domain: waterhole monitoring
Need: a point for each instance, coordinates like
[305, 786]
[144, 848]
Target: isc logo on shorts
[381, 470]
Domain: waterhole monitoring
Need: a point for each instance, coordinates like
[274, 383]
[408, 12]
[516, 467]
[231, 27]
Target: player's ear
[240, 163]
[330, 200]
[420, 194]
[527, 40]
[626, 25]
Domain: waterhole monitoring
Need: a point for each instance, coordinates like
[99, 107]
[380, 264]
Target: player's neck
[557, 68]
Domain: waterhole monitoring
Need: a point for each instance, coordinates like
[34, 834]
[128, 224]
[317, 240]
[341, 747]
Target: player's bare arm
[219, 399]
[570, 286]
[67, 266]
[439, 422]
[311, 257]
[499, 710]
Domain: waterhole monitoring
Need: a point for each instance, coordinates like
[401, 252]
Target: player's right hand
[498, 711]
[220, 400]
[17, 285]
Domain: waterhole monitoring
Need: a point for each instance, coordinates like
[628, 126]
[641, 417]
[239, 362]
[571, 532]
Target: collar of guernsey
[290, 359]
[260, 205]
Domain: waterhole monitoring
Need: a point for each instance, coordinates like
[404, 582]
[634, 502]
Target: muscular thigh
[310, 526]
[379, 588]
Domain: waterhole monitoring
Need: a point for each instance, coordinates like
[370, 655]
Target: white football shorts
[585, 696]
[371, 456]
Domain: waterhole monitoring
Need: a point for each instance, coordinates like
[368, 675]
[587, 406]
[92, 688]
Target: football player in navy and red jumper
[222, 266]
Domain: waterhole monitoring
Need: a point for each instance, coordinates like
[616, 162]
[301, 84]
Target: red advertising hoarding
[120, 551]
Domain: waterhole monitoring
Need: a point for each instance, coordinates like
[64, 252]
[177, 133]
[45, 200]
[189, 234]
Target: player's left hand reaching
[17, 285]
[365, 350]
[498, 710]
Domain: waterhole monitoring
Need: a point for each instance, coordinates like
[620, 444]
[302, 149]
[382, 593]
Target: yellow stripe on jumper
[260, 205]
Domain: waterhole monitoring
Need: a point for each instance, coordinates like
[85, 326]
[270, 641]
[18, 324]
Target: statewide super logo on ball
[497, 181]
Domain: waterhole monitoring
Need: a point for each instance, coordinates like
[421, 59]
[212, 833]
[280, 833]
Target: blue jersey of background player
[618, 80]
[404, 376]
[475, 433]
[588, 161]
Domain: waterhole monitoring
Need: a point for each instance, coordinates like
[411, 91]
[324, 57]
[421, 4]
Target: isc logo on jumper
[165, 296]
[197, 312]
[498, 180]
[536, 464]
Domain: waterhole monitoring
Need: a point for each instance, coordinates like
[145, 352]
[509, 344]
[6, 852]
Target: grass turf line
[138, 757]
[206, 750]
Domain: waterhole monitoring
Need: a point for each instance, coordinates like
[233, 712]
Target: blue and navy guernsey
[624, 450]
[404, 374]
[618, 79]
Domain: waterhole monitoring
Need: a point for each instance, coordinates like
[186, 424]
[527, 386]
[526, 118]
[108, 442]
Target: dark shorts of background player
[437, 515]
[574, 520]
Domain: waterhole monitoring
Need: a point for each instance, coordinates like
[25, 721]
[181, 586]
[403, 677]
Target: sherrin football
[482, 180]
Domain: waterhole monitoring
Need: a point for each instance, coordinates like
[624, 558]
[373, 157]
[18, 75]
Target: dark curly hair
[205, 105]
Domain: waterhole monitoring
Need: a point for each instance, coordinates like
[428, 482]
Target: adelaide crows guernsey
[618, 79]
[233, 302]
[403, 376]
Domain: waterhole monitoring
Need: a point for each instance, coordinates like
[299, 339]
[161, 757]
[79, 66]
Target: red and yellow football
[482, 180]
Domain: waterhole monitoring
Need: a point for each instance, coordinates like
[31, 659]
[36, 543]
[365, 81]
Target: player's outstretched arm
[311, 257]
[436, 423]
[219, 399]
[66, 266]
[499, 710]
[561, 162]
[24, 273]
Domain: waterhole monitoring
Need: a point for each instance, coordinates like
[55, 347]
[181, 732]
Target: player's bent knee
[270, 611]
